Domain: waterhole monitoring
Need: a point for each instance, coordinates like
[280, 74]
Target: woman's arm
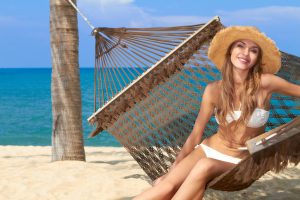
[206, 110]
[279, 85]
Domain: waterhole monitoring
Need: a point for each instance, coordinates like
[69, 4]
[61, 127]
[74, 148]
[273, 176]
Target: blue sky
[25, 38]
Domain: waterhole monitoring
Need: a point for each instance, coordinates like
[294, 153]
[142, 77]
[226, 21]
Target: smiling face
[244, 54]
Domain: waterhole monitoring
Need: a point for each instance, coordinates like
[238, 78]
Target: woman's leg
[205, 170]
[167, 187]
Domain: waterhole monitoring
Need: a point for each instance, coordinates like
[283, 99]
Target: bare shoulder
[213, 87]
[213, 91]
[266, 80]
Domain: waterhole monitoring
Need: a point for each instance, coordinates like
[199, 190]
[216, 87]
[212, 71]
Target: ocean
[25, 107]
[26, 113]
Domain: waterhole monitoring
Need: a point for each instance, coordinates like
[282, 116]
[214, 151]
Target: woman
[247, 60]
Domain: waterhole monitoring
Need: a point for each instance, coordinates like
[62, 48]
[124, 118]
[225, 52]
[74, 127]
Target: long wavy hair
[248, 96]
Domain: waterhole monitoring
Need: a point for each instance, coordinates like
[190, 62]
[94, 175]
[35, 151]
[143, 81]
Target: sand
[109, 173]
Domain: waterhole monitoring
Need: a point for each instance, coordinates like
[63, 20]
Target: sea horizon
[26, 109]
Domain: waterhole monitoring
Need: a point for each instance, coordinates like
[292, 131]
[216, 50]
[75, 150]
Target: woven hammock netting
[148, 88]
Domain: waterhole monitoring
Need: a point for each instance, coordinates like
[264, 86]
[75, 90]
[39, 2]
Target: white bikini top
[258, 118]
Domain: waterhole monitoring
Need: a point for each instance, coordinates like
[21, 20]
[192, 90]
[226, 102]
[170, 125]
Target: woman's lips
[243, 60]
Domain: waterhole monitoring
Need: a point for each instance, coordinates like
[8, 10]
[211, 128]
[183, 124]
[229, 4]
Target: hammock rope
[148, 88]
[144, 60]
[150, 83]
[82, 15]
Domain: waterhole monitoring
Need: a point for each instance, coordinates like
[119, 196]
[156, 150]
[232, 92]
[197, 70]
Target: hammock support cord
[81, 14]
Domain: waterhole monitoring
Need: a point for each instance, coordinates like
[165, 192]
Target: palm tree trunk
[67, 138]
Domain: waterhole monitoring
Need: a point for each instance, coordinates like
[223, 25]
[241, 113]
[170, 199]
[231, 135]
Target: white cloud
[113, 12]
[179, 20]
[126, 13]
[7, 21]
[261, 16]
[107, 2]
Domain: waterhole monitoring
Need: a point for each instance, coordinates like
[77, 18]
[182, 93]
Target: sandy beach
[109, 173]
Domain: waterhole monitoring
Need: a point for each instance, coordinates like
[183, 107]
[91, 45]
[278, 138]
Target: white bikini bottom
[212, 153]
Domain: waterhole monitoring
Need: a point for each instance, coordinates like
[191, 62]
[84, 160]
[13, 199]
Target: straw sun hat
[271, 57]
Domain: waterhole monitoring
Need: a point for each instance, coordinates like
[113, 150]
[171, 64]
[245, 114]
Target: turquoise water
[26, 113]
[25, 108]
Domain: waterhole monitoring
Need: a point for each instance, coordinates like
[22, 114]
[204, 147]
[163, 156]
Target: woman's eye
[254, 51]
[240, 45]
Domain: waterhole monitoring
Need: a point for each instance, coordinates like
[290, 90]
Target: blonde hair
[248, 96]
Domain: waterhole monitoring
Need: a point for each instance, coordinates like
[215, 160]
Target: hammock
[147, 92]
